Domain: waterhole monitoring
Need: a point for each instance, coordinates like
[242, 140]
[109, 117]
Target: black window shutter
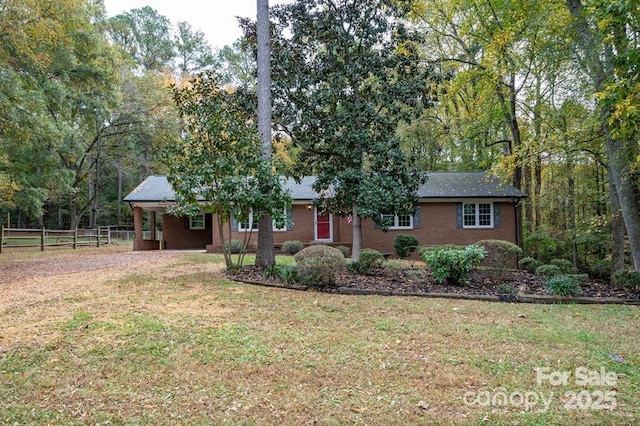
[496, 215]
[459, 216]
[208, 219]
[187, 222]
[416, 218]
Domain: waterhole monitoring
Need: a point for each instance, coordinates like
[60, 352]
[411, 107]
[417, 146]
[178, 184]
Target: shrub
[529, 264]
[565, 266]
[272, 272]
[453, 265]
[319, 265]
[344, 250]
[548, 271]
[507, 289]
[562, 285]
[369, 259]
[353, 267]
[405, 244]
[425, 249]
[600, 269]
[289, 274]
[292, 246]
[235, 247]
[627, 279]
[499, 256]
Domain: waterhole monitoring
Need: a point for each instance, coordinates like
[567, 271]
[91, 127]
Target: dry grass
[164, 338]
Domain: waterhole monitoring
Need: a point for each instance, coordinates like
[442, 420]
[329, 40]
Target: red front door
[323, 226]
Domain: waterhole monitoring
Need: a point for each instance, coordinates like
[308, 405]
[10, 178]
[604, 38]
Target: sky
[216, 18]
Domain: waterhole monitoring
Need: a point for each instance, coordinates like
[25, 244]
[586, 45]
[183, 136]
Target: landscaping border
[517, 298]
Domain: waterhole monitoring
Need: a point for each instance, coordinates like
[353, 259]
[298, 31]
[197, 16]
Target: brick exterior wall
[437, 226]
[177, 235]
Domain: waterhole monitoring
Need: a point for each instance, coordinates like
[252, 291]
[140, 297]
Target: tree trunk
[265, 255]
[617, 232]
[356, 241]
[598, 63]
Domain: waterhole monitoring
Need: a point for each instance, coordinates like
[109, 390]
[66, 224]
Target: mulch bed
[403, 281]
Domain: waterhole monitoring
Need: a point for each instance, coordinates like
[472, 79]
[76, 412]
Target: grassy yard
[180, 344]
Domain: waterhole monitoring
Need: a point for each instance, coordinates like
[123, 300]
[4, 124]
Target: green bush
[319, 265]
[235, 247]
[565, 266]
[499, 256]
[429, 248]
[529, 264]
[272, 272]
[418, 275]
[289, 274]
[369, 259]
[548, 271]
[292, 246]
[353, 267]
[627, 279]
[453, 265]
[405, 244]
[600, 269]
[344, 250]
[562, 285]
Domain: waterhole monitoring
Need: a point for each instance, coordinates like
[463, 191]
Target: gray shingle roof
[466, 185]
[438, 185]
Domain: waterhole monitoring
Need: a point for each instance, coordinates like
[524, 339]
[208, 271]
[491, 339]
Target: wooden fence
[13, 237]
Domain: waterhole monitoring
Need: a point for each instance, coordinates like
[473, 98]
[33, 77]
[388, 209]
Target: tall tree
[146, 36]
[193, 51]
[344, 73]
[265, 255]
[608, 35]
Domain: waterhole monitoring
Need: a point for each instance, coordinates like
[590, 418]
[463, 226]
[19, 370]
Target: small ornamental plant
[453, 266]
[405, 244]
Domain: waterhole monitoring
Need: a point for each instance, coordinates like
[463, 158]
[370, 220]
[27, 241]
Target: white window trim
[204, 223]
[396, 221]
[241, 228]
[477, 215]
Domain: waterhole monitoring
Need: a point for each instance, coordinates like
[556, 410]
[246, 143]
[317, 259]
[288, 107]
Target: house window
[478, 215]
[250, 224]
[196, 222]
[399, 222]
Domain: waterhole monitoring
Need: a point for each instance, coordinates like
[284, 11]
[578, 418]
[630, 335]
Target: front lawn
[183, 345]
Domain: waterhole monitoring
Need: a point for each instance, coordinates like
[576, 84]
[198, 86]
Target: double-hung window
[252, 225]
[399, 222]
[197, 222]
[477, 215]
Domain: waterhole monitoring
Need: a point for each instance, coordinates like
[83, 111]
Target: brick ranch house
[454, 208]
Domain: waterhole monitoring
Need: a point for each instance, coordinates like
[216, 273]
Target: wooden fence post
[1, 239]
[42, 238]
[75, 238]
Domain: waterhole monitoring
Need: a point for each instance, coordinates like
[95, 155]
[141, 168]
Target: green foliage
[292, 246]
[353, 267]
[541, 246]
[319, 265]
[529, 264]
[562, 285]
[344, 76]
[565, 266]
[453, 265]
[600, 269]
[369, 259]
[220, 159]
[344, 250]
[429, 248]
[405, 244]
[548, 271]
[288, 274]
[499, 256]
[507, 289]
[627, 279]
[234, 246]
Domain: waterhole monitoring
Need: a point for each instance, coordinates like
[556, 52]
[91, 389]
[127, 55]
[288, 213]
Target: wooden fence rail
[14, 237]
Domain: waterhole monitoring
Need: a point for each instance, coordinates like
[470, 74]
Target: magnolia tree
[345, 74]
[217, 166]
